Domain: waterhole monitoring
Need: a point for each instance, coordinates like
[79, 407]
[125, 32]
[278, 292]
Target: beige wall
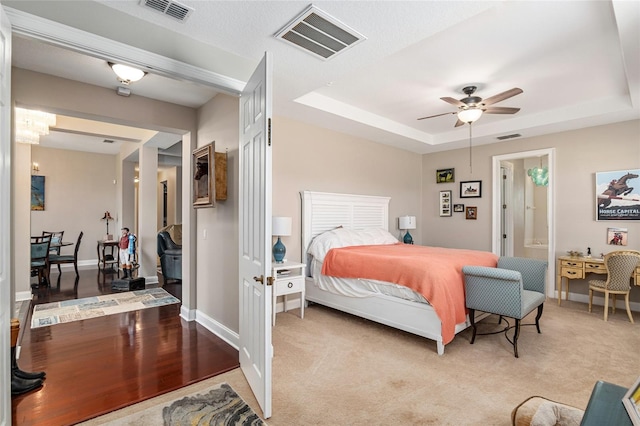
[310, 158]
[173, 177]
[579, 155]
[79, 188]
[217, 228]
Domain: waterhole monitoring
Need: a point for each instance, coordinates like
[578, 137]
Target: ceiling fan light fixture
[127, 74]
[469, 115]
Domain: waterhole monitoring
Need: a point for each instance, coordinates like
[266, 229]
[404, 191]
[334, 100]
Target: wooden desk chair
[621, 266]
[60, 259]
[40, 260]
[56, 240]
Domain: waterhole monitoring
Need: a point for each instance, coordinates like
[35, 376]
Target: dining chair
[56, 240]
[40, 260]
[620, 265]
[61, 259]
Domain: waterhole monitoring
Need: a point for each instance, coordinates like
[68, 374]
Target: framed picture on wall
[445, 203]
[458, 208]
[37, 193]
[203, 188]
[617, 195]
[471, 189]
[472, 213]
[445, 175]
[617, 236]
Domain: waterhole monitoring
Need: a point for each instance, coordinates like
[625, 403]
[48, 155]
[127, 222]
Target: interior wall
[307, 157]
[217, 228]
[579, 153]
[79, 188]
[171, 176]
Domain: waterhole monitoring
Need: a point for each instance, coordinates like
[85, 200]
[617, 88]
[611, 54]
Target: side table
[288, 279]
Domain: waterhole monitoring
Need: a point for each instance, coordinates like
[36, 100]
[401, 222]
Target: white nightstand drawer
[290, 285]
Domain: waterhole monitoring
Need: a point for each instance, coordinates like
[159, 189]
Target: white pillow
[344, 237]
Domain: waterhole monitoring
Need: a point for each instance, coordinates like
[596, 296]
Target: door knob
[260, 279]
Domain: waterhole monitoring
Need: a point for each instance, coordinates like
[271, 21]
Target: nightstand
[288, 279]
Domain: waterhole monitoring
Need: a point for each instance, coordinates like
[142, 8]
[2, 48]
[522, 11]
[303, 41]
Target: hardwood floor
[99, 365]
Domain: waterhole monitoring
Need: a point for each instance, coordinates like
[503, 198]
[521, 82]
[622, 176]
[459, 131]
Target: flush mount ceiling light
[126, 74]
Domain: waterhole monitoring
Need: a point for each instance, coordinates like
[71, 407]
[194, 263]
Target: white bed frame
[322, 212]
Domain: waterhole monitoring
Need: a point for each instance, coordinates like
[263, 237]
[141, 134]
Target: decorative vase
[408, 239]
[279, 250]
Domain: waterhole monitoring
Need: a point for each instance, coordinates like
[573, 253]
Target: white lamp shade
[469, 115]
[281, 226]
[407, 222]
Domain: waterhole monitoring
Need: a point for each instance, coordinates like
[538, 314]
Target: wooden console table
[573, 268]
[108, 254]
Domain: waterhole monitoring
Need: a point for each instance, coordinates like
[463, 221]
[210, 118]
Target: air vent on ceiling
[173, 9]
[319, 34]
[515, 135]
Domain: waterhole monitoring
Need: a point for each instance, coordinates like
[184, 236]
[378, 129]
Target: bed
[365, 219]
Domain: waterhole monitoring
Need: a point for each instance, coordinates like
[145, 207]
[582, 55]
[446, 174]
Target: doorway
[524, 215]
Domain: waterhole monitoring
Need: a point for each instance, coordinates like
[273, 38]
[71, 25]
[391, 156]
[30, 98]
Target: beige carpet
[335, 369]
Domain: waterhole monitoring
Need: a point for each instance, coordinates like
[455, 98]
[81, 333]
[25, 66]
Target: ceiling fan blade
[454, 102]
[501, 110]
[501, 96]
[437, 115]
[459, 123]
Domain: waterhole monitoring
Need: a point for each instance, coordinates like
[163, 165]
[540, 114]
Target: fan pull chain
[470, 168]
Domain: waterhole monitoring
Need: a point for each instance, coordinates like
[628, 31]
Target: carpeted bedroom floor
[332, 368]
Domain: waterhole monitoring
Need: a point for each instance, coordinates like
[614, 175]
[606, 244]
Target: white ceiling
[578, 62]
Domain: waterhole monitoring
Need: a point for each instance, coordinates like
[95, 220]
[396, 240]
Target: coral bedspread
[434, 272]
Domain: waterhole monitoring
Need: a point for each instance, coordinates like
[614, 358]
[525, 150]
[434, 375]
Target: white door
[255, 233]
[5, 216]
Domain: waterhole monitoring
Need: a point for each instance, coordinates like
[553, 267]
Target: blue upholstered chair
[513, 289]
[170, 255]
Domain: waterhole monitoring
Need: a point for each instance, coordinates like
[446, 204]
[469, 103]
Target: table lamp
[280, 227]
[406, 223]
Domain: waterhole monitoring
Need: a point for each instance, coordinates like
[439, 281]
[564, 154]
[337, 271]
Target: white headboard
[323, 211]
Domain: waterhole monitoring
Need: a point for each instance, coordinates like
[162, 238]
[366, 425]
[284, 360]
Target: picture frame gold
[203, 172]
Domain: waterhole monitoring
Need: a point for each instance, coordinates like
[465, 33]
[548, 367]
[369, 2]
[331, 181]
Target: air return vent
[515, 135]
[319, 34]
[173, 9]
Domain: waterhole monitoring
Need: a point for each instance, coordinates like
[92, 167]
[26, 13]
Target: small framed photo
[631, 401]
[617, 236]
[445, 203]
[458, 208]
[471, 189]
[445, 175]
[471, 212]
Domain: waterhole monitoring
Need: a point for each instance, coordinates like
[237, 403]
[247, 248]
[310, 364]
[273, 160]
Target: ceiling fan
[471, 107]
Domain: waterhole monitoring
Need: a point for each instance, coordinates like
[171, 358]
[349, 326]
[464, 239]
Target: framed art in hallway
[203, 174]
[471, 189]
[37, 193]
[458, 208]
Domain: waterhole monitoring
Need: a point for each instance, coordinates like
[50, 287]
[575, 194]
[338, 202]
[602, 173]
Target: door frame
[551, 210]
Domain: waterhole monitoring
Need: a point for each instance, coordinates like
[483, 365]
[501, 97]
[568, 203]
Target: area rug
[218, 405]
[92, 307]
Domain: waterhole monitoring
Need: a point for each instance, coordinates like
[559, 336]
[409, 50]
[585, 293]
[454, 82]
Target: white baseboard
[187, 314]
[23, 295]
[220, 330]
